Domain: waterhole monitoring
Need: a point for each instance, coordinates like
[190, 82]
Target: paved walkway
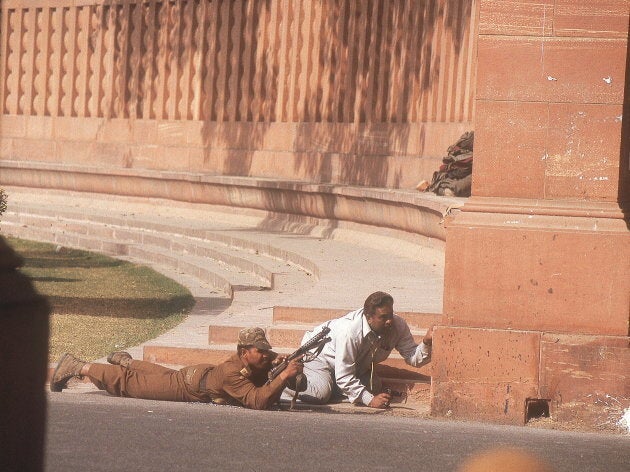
[313, 266]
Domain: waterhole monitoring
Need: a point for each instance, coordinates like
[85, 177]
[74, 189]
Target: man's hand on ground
[428, 338]
[380, 401]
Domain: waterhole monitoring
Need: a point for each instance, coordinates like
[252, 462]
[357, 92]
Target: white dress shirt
[354, 349]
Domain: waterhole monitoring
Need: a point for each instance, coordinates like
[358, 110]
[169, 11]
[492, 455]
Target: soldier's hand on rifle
[278, 360]
[380, 401]
[294, 367]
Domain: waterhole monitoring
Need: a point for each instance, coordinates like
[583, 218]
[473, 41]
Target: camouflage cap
[253, 337]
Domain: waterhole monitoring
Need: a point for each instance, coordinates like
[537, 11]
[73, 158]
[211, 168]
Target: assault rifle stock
[315, 344]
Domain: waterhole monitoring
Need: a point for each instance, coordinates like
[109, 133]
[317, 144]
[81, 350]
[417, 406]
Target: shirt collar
[366, 327]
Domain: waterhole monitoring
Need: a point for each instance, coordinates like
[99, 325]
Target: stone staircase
[244, 269]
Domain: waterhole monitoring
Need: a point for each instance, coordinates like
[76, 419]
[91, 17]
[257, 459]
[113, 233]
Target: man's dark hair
[376, 300]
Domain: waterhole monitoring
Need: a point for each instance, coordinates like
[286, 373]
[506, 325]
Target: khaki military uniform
[229, 382]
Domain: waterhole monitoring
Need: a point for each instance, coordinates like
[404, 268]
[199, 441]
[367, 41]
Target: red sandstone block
[170, 133]
[34, 150]
[274, 136]
[498, 367]
[107, 154]
[582, 157]
[583, 368]
[116, 130]
[144, 156]
[516, 17]
[13, 126]
[39, 127]
[510, 140]
[471, 355]
[171, 158]
[144, 132]
[196, 158]
[534, 276]
[77, 129]
[553, 70]
[6, 148]
[588, 18]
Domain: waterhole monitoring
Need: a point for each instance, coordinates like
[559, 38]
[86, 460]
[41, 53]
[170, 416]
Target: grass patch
[100, 304]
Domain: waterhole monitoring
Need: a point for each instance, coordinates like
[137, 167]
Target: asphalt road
[95, 432]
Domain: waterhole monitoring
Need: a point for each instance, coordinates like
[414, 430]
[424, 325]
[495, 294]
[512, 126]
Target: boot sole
[59, 385]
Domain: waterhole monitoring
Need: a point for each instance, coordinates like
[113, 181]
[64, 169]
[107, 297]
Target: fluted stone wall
[293, 89]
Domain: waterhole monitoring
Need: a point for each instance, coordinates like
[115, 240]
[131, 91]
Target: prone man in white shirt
[360, 340]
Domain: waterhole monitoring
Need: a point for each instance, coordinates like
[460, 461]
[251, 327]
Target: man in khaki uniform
[240, 380]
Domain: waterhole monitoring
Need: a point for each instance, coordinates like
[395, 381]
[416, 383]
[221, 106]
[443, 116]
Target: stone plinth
[537, 275]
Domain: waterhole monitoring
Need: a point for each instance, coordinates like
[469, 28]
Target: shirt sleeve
[345, 370]
[414, 354]
[245, 392]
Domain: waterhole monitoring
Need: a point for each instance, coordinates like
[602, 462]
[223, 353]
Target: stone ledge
[405, 210]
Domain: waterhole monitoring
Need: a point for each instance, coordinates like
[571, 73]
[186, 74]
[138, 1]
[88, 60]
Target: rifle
[315, 344]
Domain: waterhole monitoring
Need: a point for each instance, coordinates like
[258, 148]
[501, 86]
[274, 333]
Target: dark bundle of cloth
[454, 177]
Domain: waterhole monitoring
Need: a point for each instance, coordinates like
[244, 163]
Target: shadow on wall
[351, 76]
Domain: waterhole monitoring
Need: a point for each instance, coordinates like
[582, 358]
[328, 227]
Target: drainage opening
[536, 408]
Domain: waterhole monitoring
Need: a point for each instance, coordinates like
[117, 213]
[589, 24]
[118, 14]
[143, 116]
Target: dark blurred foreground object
[454, 177]
[24, 359]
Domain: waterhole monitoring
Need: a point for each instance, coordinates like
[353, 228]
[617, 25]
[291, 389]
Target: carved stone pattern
[52, 83]
[242, 60]
[66, 82]
[198, 14]
[108, 59]
[147, 60]
[12, 64]
[39, 74]
[24, 58]
[94, 85]
[79, 61]
[135, 62]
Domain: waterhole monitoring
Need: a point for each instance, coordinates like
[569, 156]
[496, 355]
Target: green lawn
[100, 304]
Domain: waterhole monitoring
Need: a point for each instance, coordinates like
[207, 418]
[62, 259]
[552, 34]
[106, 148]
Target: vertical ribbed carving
[40, 65]
[95, 65]
[249, 22]
[162, 52]
[261, 12]
[54, 71]
[174, 55]
[136, 66]
[301, 58]
[371, 61]
[67, 64]
[82, 57]
[109, 46]
[122, 62]
[5, 32]
[233, 58]
[148, 59]
[24, 89]
[208, 106]
[223, 58]
[313, 85]
[284, 26]
[188, 47]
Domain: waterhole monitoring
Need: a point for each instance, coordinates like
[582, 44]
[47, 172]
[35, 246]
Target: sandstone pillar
[537, 276]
